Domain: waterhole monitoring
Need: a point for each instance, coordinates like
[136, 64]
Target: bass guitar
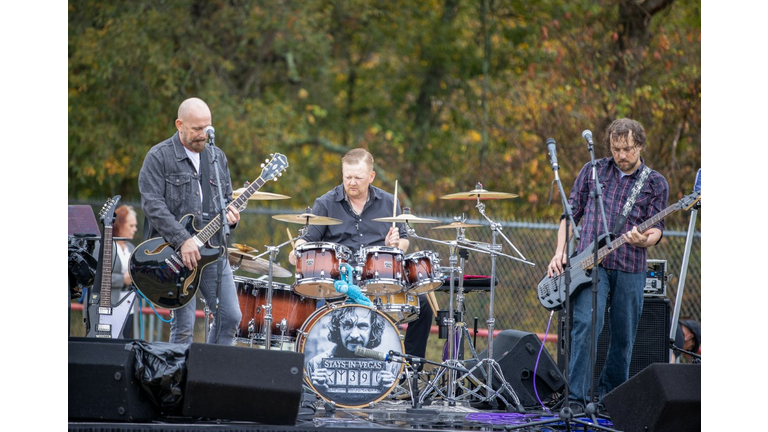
[156, 267]
[552, 291]
[104, 320]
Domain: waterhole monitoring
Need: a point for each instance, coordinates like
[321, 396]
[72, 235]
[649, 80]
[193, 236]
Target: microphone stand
[224, 242]
[591, 407]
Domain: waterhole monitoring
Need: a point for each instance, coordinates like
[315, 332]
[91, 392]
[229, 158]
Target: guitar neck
[588, 262]
[214, 225]
[106, 268]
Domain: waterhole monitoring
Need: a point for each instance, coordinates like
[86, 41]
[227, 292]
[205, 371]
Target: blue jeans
[626, 292]
[183, 322]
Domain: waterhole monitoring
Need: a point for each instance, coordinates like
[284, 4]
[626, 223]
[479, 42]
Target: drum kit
[392, 281]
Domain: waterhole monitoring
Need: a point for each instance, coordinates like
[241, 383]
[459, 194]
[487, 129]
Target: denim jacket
[170, 190]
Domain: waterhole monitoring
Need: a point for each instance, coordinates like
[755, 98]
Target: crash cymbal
[257, 265]
[241, 248]
[478, 193]
[457, 225]
[265, 196]
[406, 217]
[307, 218]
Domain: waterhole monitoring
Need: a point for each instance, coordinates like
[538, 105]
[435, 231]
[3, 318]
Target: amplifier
[656, 278]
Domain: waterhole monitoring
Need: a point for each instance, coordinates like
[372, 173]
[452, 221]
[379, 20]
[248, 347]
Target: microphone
[210, 132]
[552, 153]
[587, 134]
[369, 353]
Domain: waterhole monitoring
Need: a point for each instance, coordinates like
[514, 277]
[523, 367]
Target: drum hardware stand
[272, 251]
[452, 363]
[494, 251]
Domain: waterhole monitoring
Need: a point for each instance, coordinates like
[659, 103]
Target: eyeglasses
[627, 150]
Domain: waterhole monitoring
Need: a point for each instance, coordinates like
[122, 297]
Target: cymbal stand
[495, 247]
[272, 251]
[454, 364]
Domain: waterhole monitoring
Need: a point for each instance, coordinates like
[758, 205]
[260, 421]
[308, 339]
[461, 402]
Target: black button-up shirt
[355, 231]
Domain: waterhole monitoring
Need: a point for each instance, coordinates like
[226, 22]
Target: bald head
[193, 117]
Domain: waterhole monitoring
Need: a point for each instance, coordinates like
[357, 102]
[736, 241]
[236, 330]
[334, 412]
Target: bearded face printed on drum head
[355, 327]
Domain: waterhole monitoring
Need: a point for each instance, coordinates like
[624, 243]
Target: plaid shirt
[616, 188]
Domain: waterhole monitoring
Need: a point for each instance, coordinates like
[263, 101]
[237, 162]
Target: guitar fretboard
[213, 226]
[588, 262]
[106, 269]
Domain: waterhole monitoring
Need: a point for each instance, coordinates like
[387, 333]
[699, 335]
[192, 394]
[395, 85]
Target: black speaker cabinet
[102, 384]
[663, 397]
[516, 352]
[651, 342]
[246, 384]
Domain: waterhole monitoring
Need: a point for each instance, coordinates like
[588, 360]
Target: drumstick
[290, 237]
[394, 205]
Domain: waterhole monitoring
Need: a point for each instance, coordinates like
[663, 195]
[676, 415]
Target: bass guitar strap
[622, 219]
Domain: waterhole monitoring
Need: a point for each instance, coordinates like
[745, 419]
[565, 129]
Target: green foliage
[444, 93]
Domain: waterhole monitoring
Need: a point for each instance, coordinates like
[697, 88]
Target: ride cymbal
[307, 218]
[457, 225]
[257, 266]
[264, 196]
[478, 194]
[406, 217]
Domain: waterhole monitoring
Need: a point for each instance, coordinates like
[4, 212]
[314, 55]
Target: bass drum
[328, 340]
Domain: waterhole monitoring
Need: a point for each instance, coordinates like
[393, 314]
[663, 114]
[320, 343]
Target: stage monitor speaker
[246, 384]
[664, 397]
[102, 385]
[651, 342]
[516, 352]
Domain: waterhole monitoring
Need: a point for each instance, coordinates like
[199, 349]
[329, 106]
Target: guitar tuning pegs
[262, 165]
[266, 160]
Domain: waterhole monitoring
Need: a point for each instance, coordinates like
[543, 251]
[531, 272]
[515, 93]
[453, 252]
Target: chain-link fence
[527, 247]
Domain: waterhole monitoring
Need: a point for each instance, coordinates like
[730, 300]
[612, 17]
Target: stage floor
[396, 412]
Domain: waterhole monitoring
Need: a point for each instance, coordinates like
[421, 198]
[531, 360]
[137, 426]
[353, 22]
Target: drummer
[356, 202]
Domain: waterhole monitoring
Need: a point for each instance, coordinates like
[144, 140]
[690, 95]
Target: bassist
[171, 186]
[622, 273]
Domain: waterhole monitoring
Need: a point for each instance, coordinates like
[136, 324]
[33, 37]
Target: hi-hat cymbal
[307, 218]
[478, 193]
[257, 265]
[259, 195]
[457, 225]
[406, 217]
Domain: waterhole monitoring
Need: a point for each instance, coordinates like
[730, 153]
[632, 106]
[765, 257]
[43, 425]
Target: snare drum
[289, 311]
[317, 269]
[400, 307]
[329, 339]
[382, 271]
[422, 272]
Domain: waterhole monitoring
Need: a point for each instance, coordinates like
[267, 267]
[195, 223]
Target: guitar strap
[622, 219]
[205, 185]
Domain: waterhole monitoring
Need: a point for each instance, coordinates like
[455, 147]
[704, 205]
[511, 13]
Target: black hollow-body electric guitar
[156, 267]
[104, 320]
[552, 290]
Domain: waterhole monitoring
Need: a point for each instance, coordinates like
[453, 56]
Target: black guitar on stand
[104, 320]
[551, 290]
[156, 267]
